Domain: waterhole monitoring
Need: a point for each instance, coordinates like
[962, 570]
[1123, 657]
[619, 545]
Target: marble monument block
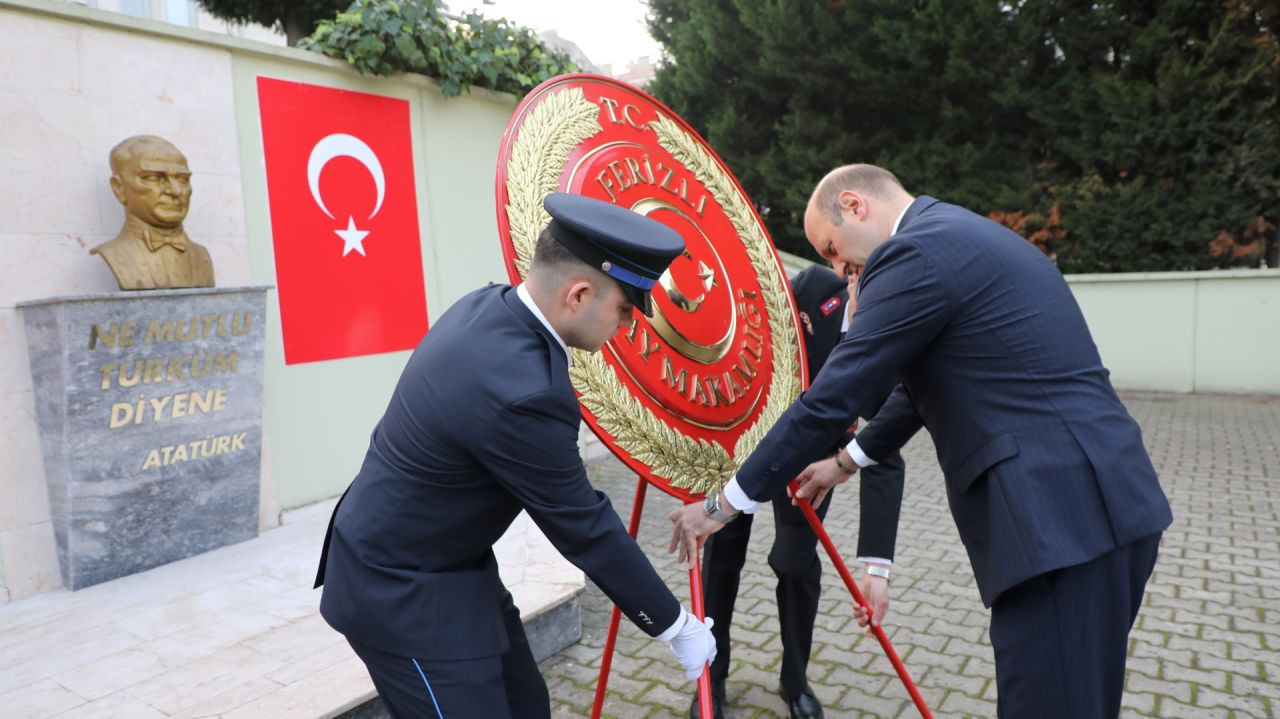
[149, 407]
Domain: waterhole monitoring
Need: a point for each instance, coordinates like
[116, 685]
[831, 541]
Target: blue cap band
[615, 258]
[624, 275]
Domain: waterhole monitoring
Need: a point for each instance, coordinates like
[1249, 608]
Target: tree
[787, 90]
[296, 18]
[1160, 134]
[1263, 16]
[723, 90]
[1117, 135]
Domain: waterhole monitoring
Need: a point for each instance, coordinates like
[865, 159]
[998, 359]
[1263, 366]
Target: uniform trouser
[505, 686]
[794, 559]
[1060, 638]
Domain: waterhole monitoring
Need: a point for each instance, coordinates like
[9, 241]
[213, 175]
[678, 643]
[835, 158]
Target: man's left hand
[819, 478]
[876, 591]
[692, 526]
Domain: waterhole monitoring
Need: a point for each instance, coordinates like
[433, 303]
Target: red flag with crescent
[344, 221]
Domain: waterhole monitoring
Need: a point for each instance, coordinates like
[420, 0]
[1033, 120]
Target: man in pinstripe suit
[1052, 491]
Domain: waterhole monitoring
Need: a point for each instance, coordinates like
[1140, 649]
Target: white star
[352, 237]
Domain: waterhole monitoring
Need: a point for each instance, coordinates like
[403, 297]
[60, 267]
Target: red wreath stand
[695, 586]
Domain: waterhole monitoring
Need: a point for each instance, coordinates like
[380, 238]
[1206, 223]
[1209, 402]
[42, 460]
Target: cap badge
[606, 266]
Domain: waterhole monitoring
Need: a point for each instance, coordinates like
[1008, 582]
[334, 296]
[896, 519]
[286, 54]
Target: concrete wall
[73, 83]
[1186, 331]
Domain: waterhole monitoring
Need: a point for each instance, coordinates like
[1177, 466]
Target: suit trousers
[505, 686]
[1060, 638]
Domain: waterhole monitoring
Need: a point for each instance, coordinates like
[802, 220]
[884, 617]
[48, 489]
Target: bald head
[869, 180]
[851, 212]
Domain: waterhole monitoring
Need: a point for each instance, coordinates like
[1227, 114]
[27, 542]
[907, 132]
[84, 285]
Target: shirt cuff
[739, 498]
[859, 457]
[876, 560]
[675, 628]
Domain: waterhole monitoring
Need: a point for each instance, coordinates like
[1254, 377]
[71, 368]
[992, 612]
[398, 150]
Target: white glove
[693, 645]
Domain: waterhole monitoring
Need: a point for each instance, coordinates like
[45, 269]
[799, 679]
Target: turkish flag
[344, 221]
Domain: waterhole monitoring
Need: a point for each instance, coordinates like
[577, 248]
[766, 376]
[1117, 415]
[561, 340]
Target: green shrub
[382, 37]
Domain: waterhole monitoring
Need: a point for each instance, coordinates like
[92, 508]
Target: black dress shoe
[717, 702]
[802, 706]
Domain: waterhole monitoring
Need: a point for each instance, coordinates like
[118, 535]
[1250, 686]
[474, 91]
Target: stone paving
[234, 633]
[1206, 644]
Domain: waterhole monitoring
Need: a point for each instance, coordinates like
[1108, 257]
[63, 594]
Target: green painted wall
[1238, 334]
[1145, 332]
[1180, 331]
[318, 416]
[1186, 331]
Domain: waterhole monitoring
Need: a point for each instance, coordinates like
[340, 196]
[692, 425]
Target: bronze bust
[150, 177]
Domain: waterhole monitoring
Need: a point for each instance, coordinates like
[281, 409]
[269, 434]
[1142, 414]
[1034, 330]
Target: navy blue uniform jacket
[483, 424]
[1044, 467]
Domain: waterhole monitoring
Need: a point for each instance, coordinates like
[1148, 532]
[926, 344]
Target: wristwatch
[875, 570]
[711, 507]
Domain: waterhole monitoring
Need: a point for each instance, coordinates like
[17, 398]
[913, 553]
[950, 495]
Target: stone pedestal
[149, 406]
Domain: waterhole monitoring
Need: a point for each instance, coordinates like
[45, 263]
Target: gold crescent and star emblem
[678, 297]
[685, 334]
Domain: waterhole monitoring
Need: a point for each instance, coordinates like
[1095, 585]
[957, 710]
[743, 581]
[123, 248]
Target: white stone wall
[69, 91]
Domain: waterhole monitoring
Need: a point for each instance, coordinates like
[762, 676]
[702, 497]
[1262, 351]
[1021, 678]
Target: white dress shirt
[523, 293]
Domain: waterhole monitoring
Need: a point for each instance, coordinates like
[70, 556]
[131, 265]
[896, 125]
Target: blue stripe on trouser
[433, 694]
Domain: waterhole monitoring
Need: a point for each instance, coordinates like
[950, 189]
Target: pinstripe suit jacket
[1044, 466]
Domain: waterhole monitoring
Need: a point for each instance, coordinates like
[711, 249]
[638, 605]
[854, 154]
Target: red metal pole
[878, 631]
[637, 508]
[704, 681]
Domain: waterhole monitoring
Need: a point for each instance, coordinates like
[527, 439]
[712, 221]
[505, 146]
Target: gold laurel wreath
[547, 136]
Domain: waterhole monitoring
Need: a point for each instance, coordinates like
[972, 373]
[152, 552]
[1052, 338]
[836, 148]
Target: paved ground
[1207, 642]
[234, 633]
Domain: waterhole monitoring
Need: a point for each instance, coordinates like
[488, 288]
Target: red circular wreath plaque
[682, 397]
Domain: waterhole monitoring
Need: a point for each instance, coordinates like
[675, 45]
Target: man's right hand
[694, 646]
[876, 591]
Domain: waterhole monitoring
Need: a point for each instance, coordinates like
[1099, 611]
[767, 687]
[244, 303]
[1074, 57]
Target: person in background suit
[483, 424]
[1051, 489]
[822, 298]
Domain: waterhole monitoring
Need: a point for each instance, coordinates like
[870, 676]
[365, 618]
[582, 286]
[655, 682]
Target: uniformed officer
[482, 424]
[822, 297]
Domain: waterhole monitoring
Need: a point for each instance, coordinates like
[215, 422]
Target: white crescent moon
[343, 145]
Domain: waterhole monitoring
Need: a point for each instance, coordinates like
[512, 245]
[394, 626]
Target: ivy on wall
[383, 37]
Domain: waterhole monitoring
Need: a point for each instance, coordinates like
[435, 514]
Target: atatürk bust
[150, 177]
